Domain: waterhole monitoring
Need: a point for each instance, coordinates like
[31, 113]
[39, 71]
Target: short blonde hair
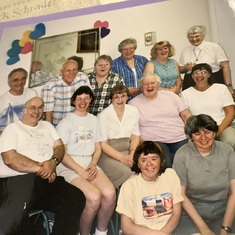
[159, 45]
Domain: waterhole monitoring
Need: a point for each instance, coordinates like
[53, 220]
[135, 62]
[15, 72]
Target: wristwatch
[57, 160]
[229, 85]
[227, 229]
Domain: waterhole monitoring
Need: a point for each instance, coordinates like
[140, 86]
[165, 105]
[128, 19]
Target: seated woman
[119, 124]
[102, 80]
[213, 99]
[206, 171]
[150, 201]
[80, 133]
[162, 116]
[165, 67]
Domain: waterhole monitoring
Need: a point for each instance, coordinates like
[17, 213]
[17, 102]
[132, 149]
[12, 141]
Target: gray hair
[15, 71]
[197, 29]
[126, 42]
[149, 74]
[196, 122]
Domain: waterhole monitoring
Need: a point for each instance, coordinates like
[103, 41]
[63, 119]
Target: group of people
[131, 124]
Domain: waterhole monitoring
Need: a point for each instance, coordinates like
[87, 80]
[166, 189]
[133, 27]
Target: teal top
[167, 72]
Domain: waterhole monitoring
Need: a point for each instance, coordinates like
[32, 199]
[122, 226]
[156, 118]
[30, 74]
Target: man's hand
[46, 168]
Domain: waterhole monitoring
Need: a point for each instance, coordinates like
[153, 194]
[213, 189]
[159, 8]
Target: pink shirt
[160, 118]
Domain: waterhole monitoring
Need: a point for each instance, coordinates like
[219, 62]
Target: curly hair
[159, 45]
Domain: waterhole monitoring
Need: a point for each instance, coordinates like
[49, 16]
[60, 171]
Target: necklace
[198, 54]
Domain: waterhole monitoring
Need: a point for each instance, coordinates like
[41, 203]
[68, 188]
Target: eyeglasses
[34, 108]
[117, 97]
[128, 49]
[199, 72]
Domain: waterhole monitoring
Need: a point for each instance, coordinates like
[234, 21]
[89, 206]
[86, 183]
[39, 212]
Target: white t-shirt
[36, 143]
[112, 128]
[11, 106]
[79, 133]
[210, 102]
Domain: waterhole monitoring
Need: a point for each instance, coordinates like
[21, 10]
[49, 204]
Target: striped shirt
[56, 95]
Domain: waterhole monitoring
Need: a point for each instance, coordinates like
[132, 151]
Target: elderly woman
[102, 80]
[150, 201]
[129, 65]
[119, 124]
[201, 51]
[81, 135]
[212, 99]
[206, 171]
[167, 69]
[162, 116]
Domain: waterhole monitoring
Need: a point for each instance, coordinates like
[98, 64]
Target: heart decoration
[28, 47]
[104, 32]
[13, 60]
[104, 27]
[15, 49]
[40, 30]
[99, 24]
[25, 38]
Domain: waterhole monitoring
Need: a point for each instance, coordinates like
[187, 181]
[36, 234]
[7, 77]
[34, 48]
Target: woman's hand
[92, 171]
[127, 159]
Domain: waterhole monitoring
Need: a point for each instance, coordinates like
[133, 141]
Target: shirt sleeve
[125, 204]
[47, 94]
[179, 165]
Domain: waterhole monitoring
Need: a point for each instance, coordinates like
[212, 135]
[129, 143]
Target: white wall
[169, 19]
[223, 29]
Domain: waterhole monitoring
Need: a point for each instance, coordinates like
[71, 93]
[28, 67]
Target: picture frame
[88, 41]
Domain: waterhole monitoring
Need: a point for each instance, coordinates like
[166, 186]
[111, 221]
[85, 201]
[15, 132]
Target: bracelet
[227, 229]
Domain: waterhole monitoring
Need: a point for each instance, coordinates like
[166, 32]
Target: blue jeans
[170, 149]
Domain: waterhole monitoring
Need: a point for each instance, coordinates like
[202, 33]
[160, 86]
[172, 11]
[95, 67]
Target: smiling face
[119, 100]
[102, 67]
[33, 111]
[82, 103]
[17, 83]
[149, 165]
[162, 52]
[201, 77]
[128, 51]
[203, 139]
[69, 71]
[149, 87]
[196, 39]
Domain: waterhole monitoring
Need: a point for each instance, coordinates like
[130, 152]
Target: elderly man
[12, 101]
[58, 91]
[28, 175]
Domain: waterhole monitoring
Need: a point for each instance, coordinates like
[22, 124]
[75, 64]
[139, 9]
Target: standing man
[28, 178]
[58, 91]
[12, 101]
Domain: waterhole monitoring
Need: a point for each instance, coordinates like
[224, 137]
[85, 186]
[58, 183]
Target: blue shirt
[121, 67]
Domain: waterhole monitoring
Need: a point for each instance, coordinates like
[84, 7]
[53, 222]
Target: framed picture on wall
[88, 41]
